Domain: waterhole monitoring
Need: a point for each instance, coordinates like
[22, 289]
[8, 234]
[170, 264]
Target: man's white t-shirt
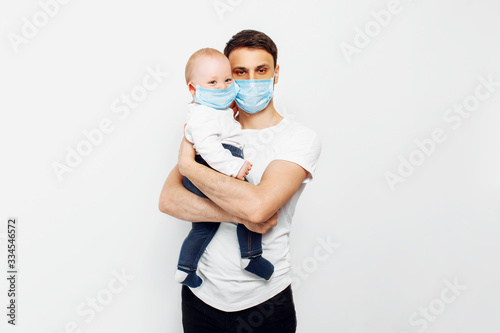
[226, 286]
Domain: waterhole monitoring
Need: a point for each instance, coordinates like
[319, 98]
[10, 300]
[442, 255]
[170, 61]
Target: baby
[217, 139]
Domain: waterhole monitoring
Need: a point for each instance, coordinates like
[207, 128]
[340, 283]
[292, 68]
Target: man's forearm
[238, 198]
[177, 201]
[254, 203]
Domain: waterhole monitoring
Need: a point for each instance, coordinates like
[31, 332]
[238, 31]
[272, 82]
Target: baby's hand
[245, 169]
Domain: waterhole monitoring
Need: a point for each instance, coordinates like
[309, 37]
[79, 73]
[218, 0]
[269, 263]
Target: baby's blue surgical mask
[216, 98]
[254, 95]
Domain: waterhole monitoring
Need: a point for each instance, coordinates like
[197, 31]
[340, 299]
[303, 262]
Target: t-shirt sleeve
[302, 147]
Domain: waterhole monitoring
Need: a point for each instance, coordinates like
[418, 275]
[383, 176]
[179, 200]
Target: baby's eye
[229, 80]
[212, 82]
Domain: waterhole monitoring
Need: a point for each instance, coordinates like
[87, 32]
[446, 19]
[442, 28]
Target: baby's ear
[192, 88]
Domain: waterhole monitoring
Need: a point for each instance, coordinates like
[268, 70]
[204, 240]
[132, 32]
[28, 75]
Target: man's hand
[186, 155]
[262, 228]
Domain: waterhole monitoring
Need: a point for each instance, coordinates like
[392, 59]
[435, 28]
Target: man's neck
[262, 119]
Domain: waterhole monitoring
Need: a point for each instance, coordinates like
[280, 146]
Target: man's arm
[255, 203]
[177, 201]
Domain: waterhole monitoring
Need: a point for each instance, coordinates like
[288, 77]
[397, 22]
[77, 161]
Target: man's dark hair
[252, 39]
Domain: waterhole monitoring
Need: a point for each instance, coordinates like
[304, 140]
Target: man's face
[252, 64]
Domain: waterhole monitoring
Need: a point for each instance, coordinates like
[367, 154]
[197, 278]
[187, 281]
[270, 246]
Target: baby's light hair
[205, 52]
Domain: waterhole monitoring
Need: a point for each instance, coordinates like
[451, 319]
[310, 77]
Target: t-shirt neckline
[282, 121]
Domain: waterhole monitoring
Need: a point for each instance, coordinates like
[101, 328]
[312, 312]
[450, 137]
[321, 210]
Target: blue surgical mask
[216, 98]
[254, 95]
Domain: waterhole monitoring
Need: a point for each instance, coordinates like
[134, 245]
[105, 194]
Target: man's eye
[240, 72]
[262, 70]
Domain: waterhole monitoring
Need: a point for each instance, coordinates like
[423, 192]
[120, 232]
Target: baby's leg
[195, 243]
[192, 248]
[251, 253]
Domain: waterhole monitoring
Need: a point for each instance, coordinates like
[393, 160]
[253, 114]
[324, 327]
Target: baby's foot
[258, 266]
[245, 169]
[189, 279]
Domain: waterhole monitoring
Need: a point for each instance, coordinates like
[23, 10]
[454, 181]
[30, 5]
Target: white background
[397, 248]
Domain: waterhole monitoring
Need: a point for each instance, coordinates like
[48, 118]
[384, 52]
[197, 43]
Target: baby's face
[212, 73]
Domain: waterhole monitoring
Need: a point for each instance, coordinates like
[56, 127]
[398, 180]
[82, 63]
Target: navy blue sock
[260, 267]
[192, 280]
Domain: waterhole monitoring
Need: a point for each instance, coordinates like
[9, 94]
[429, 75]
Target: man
[284, 154]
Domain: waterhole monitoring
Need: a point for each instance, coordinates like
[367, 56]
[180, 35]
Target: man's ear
[192, 88]
[276, 74]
